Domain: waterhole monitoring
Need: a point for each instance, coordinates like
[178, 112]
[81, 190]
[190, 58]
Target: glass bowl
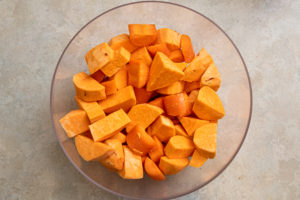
[235, 93]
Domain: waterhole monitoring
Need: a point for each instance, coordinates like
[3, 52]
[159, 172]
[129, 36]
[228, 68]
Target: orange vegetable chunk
[90, 150]
[163, 128]
[124, 98]
[197, 159]
[174, 88]
[159, 48]
[157, 151]
[119, 136]
[122, 40]
[171, 166]
[181, 66]
[205, 140]
[205, 58]
[211, 77]
[190, 124]
[193, 96]
[189, 86]
[98, 76]
[177, 104]
[133, 166]
[92, 109]
[163, 72]
[208, 105]
[158, 102]
[141, 54]
[152, 170]
[138, 74]
[194, 71]
[114, 161]
[87, 88]
[110, 87]
[187, 48]
[170, 37]
[142, 95]
[142, 34]
[180, 131]
[176, 56]
[75, 122]
[109, 126]
[120, 78]
[179, 147]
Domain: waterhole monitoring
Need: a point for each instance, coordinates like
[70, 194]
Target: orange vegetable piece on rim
[122, 40]
[194, 71]
[153, 49]
[171, 166]
[205, 58]
[138, 74]
[152, 170]
[133, 166]
[187, 48]
[141, 54]
[197, 159]
[211, 77]
[75, 122]
[176, 56]
[142, 34]
[170, 37]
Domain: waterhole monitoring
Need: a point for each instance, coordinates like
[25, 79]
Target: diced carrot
[152, 170]
[142, 34]
[187, 48]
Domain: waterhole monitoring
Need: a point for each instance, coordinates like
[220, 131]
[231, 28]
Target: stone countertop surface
[33, 35]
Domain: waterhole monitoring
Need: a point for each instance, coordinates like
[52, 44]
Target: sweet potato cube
[98, 76]
[141, 54]
[110, 87]
[181, 66]
[114, 161]
[194, 71]
[176, 56]
[163, 128]
[138, 139]
[180, 131]
[211, 77]
[120, 78]
[179, 147]
[205, 58]
[142, 95]
[90, 150]
[157, 151]
[143, 115]
[163, 72]
[189, 86]
[174, 88]
[169, 37]
[75, 122]
[119, 136]
[121, 58]
[142, 34]
[177, 105]
[87, 88]
[152, 170]
[124, 98]
[99, 56]
[133, 166]
[109, 126]
[208, 105]
[159, 48]
[190, 124]
[187, 48]
[197, 159]
[205, 140]
[122, 41]
[92, 109]
[138, 74]
[193, 96]
[157, 102]
[171, 166]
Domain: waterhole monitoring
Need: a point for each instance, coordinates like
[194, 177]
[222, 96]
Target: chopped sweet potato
[208, 105]
[180, 131]
[142, 95]
[120, 78]
[157, 151]
[189, 86]
[205, 58]
[98, 57]
[119, 136]
[90, 150]
[114, 161]
[138, 139]
[110, 87]
[98, 76]
[179, 147]
[176, 56]
[158, 102]
[193, 96]
[138, 74]
[143, 115]
[170, 37]
[181, 66]
[124, 98]
[109, 126]
[133, 166]
[211, 77]
[171, 166]
[159, 48]
[174, 88]
[75, 122]
[197, 159]
[141, 54]
[205, 140]
[87, 88]
[92, 109]
[163, 128]
[187, 48]
[142, 34]
[190, 124]
[152, 170]
[177, 105]
[194, 71]
[121, 58]
[122, 41]
[163, 72]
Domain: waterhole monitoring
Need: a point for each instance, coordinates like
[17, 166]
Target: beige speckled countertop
[33, 34]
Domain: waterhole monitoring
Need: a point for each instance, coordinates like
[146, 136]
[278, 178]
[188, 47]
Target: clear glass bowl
[235, 92]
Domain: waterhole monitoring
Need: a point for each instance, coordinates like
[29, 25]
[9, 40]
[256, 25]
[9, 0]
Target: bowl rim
[192, 189]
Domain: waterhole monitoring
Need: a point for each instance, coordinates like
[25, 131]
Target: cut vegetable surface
[191, 124]
[92, 109]
[138, 74]
[142, 34]
[163, 128]
[179, 147]
[171, 166]
[114, 161]
[133, 166]
[122, 41]
[187, 48]
[152, 170]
